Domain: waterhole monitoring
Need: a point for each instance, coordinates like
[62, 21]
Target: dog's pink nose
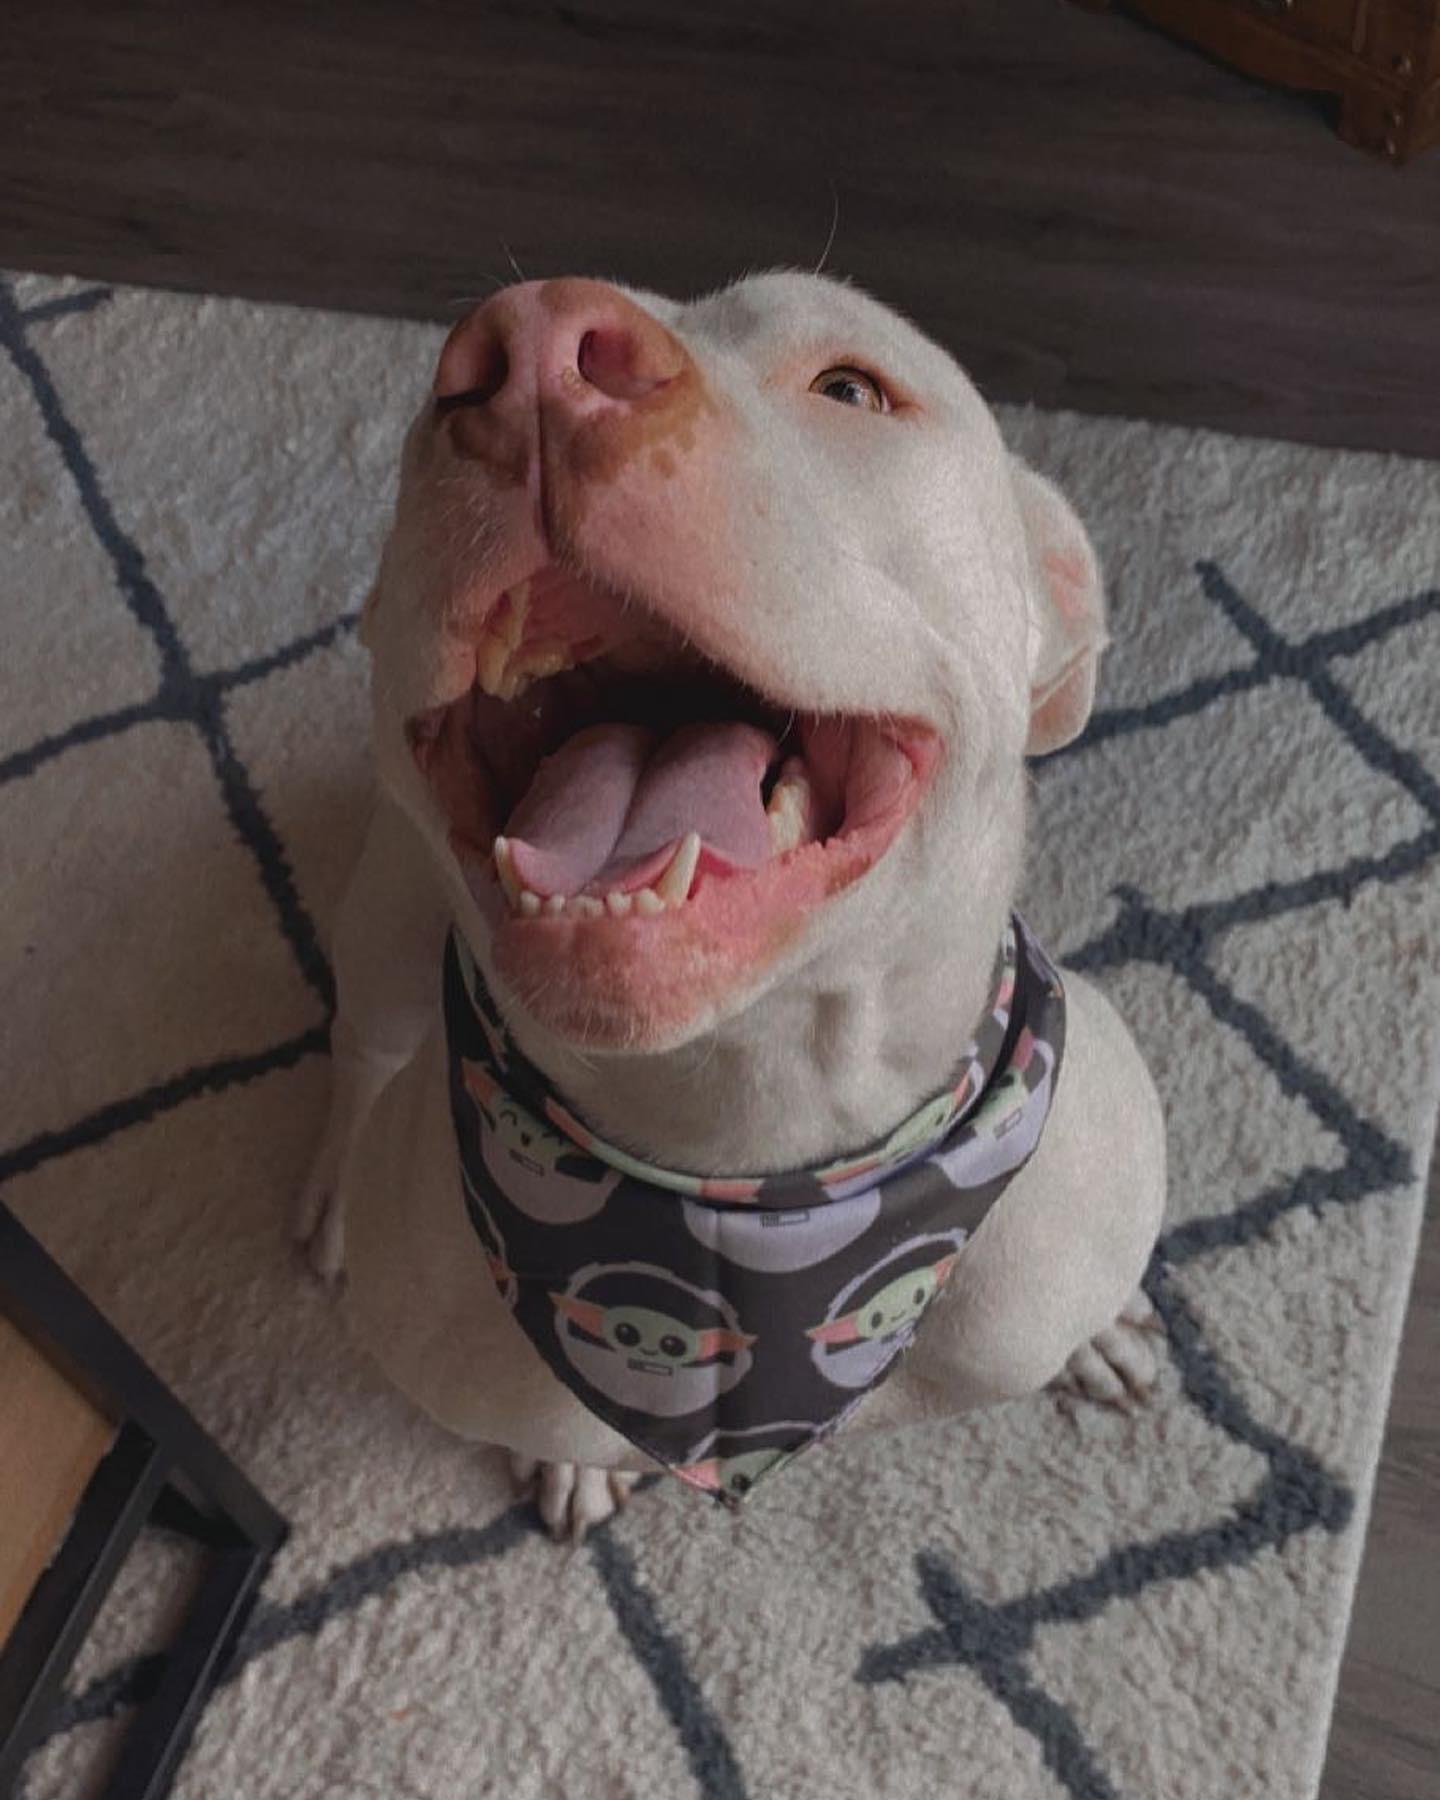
[580, 340]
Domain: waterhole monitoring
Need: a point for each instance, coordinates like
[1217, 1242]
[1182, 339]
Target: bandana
[725, 1325]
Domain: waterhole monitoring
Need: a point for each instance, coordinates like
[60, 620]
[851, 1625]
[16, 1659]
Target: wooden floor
[1088, 214]
[1385, 1742]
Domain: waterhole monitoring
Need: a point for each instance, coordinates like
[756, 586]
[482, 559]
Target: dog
[708, 644]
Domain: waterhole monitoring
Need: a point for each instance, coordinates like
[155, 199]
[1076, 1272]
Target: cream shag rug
[1023, 1606]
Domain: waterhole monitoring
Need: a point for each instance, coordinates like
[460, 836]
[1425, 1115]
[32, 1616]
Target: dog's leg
[1057, 1262]
[1118, 1367]
[570, 1497]
[387, 955]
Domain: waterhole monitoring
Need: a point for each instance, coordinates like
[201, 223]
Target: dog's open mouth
[601, 771]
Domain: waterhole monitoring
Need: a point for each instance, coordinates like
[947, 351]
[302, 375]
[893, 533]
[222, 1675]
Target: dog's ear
[1067, 614]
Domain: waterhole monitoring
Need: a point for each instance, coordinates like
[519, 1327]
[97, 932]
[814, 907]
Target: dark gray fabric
[724, 1326]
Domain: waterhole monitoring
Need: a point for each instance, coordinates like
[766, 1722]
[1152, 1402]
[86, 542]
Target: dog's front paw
[1119, 1367]
[570, 1497]
[319, 1225]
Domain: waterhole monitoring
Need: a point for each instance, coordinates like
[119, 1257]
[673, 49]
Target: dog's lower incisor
[697, 1092]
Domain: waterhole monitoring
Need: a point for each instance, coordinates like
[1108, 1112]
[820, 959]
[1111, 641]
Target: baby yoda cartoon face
[843, 1179]
[730, 1463]
[648, 1340]
[738, 1474]
[897, 1305]
[875, 1316]
[1007, 1127]
[1003, 1106]
[537, 1170]
[652, 1341]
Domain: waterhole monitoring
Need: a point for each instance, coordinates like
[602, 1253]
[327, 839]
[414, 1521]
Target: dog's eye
[851, 387]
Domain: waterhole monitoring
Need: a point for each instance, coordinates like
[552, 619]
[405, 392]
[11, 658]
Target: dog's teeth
[791, 811]
[511, 629]
[529, 903]
[496, 667]
[555, 905]
[673, 887]
[505, 869]
[648, 901]
[618, 904]
[787, 822]
[542, 660]
[491, 656]
[586, 906]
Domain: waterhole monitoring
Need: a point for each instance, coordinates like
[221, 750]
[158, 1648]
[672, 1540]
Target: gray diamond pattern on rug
[1242, 848]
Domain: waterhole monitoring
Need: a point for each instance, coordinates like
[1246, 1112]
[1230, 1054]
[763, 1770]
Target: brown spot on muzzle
[664, 423]
[567, 386]
[479, 438]
[657, 393]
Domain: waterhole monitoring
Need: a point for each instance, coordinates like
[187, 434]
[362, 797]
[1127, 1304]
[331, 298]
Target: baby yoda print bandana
[723, 1326]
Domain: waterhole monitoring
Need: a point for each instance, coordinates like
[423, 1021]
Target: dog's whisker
[834, 227]
[497, 285]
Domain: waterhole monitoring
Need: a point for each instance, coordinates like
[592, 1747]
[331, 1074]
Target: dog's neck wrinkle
[810, 1072]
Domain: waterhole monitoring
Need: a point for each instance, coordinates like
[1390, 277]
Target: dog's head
[709, 639]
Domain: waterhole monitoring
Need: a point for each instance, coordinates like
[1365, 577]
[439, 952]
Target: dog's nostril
[492, 377]
[592, 361]
[613, 360]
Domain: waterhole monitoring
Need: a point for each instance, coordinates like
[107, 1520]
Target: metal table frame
[161, 1469]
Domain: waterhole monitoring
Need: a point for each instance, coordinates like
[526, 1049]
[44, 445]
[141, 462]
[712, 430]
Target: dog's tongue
[609, 808]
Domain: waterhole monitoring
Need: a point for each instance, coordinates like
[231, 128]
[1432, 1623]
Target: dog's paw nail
[554, 1488]
[622, 1486]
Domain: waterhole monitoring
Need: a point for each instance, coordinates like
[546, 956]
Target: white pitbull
[708, 644]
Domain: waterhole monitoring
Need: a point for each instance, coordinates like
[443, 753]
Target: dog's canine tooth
[511, 629]
[648, 901]
[585, 906]
[673, 887]
[505, 869]
[496, 667]
[618, 904]
[491, 656]
[791, 808]
[787, 822]
[529, 903]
